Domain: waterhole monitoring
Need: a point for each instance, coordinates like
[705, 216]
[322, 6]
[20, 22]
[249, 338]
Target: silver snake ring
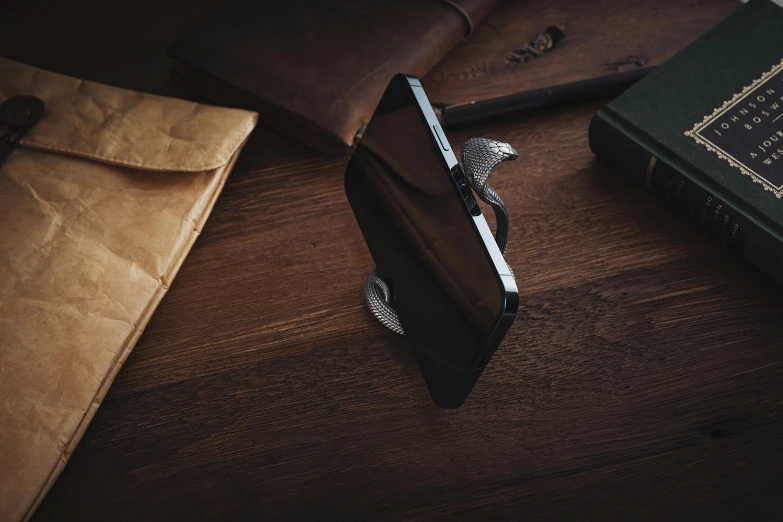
[479, 157]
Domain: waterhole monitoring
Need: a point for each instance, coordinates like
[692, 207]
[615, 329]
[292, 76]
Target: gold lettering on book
[747, 131]
[650, 169]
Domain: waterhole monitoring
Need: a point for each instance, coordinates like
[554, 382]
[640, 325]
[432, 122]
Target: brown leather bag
[316, 69]
[99, 205]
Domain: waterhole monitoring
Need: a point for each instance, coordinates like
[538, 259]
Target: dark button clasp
[17, 116]
[21, 111]
[5, 151]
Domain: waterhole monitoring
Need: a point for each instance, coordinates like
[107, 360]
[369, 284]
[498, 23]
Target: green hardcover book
[705, 132]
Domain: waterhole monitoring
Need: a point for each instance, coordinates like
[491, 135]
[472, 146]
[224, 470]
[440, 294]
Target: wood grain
[642, 379]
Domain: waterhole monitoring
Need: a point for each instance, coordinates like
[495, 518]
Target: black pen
[606, 86]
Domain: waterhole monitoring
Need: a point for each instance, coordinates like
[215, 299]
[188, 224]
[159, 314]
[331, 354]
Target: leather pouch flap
[124, 127]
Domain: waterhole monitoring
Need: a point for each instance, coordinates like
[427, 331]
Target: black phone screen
[445, 288]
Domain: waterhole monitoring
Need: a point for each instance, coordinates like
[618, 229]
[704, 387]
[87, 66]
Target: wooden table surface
[642, 379]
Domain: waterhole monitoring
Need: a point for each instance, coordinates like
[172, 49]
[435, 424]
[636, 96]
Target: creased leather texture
[316, 69]
[98, 208]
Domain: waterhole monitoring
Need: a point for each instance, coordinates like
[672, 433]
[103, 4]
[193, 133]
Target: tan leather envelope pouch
[99, 205]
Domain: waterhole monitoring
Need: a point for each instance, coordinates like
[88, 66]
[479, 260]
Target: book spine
[629, 152]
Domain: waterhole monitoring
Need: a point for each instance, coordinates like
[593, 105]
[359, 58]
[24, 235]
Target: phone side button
[444, 144]
[472, 205]
[464, 189]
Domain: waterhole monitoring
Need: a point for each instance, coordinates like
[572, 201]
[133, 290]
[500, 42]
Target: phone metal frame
[505, 277]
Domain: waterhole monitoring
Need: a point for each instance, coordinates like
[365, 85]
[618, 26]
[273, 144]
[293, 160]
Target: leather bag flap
[124, 127]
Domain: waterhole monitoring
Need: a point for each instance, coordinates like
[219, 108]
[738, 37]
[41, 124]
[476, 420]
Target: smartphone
[454, 293]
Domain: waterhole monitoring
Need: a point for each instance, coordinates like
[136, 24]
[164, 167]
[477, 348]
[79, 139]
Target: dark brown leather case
[315, 69]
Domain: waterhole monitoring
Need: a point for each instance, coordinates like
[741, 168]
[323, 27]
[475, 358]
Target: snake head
[481, 155]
